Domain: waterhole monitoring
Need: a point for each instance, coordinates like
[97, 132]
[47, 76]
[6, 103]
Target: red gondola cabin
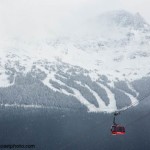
[117, 130]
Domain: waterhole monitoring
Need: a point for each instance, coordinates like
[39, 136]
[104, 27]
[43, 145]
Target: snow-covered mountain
[124, 19]
[103, 70]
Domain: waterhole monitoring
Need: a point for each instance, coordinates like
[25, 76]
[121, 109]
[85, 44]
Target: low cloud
[40, 18]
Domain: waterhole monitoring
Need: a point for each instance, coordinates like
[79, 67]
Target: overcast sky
[42, 17]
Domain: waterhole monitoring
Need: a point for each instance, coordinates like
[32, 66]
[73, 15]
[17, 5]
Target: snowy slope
[117, 51]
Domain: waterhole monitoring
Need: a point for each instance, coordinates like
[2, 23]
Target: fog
[42, 18]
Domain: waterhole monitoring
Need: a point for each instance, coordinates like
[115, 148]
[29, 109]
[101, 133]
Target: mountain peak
[123, 18]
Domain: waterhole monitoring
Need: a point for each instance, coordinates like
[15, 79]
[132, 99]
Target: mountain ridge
[95, 71]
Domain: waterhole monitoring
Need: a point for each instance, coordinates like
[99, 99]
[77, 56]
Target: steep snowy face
[94, 71]
[121, 44]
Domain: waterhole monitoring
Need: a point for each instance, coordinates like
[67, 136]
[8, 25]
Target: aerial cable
[133, 104]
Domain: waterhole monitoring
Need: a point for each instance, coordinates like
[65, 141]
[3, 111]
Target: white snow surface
[120, 52]
[125, 63]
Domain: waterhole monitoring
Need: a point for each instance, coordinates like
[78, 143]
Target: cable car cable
[133, 104]
[115, 128]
